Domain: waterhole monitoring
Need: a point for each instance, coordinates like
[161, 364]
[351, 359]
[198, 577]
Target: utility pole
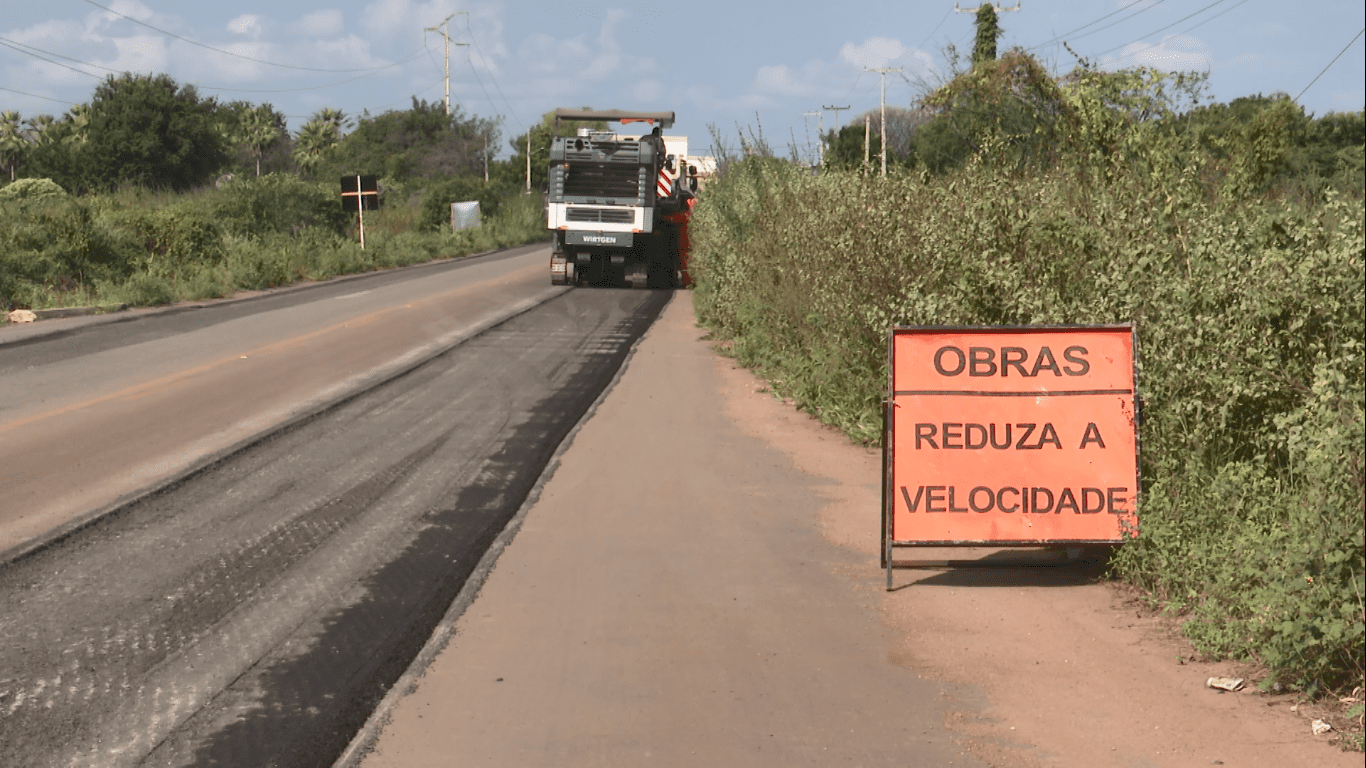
[836, 110]
[820, 135]
[994, 7]
[866, 128]
[445, 33]
[883, 72]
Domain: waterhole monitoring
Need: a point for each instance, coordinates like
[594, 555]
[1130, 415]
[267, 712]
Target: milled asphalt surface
[255, 611]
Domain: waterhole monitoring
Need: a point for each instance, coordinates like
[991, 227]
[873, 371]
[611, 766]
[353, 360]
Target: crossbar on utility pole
[994, 7]
[445, 33]
[883, 72]
[836, 110]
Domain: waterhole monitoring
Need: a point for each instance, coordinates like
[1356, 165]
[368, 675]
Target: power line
[1199, 24]
[16, 47]
[947, 14]
[1089, 23]
[236, 55]
[306, 88]
[1133, 15]
[855, 85]
[1169, 26]
[498, 87]
[1331, 63]
[36, 96]
[475, 72]
[419, 93]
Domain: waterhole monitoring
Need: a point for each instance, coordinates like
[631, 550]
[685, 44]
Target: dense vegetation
[147, 248]
[151, 193]
[1232, 235]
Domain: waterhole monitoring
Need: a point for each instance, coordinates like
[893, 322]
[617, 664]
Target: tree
[335, 118]
[147, 130]
[844, 150]
[988, 32]
[41, 129]
[312, 143]
[1008, 110]
[56, 148]
[422, 142]
[13, 144]
[78, 120]
[252, 129]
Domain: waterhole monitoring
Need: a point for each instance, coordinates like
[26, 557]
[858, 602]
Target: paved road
[254, 613]
[125, 404]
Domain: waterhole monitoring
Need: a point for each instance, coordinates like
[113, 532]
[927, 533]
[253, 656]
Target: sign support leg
[360, 211]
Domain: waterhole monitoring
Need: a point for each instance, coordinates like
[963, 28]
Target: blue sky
[711, 61]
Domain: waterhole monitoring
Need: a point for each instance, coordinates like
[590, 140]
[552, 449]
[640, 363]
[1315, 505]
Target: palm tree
[13, 143]
[313, 141]
[334, 117]
[79, 118]
[262, 129]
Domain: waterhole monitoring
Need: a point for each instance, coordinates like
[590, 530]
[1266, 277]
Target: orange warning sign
[1011, 436]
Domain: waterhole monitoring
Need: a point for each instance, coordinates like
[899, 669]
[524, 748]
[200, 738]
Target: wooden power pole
[445, 33]
[883, 72]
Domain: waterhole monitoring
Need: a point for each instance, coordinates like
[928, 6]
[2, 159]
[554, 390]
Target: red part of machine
[684, 243]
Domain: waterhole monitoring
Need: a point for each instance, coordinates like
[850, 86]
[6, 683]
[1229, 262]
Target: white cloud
[140, 53]
[873, 52]
[1247, 61]
[575, 60]
[778, 79]
[322, 23]
[401, 17]
[1176, 53]
[246, 24]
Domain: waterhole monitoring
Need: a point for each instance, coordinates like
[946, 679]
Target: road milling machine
[618, 205]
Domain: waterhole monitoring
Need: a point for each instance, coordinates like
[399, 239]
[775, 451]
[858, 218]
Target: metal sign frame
[1128, 409]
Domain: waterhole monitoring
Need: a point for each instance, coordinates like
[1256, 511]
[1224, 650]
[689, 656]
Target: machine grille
[602, 181]
[605, 216]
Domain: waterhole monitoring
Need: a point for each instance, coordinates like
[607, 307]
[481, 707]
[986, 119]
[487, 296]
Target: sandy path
[698, 585]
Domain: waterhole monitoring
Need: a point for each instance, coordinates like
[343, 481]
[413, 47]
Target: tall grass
[146, 248]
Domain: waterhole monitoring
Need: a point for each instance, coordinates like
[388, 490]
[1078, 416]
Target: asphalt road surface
[254, 610]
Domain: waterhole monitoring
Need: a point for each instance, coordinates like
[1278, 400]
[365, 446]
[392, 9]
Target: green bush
[437, 198]
[276, 202]
[1249, 303]
[146, 247]
[171, 239]
[32, 191]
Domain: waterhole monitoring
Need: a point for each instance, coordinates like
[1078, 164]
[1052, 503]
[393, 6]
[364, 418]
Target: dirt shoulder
[1074, 671]
[698, 585]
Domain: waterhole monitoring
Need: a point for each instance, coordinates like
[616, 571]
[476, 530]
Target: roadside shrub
[276, 202]
[170, 239]
[57, 242]
[32, 191]
[436, 199]
[143, 290]
[1249, 306]
[148, 247]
